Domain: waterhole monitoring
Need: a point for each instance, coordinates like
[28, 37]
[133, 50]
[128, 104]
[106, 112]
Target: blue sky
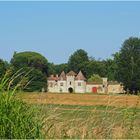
[57, 29]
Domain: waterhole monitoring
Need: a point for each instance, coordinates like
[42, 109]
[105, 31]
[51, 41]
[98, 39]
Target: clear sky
[57, 29]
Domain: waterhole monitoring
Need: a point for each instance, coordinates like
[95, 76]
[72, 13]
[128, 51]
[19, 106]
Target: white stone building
[72, 82]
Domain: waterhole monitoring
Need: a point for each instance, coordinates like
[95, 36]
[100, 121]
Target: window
[79, 83]
[61, 84]
[51, 84]
[70, 83]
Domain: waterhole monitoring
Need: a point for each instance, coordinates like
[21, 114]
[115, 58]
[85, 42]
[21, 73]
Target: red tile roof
[52, 77]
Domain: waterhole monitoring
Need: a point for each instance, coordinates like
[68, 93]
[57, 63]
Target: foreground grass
[107, 117]
[88, 122]
[18, 120]
[20, 117]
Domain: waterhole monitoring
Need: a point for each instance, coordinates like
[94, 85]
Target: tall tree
[34, 66]
[128, 64]
[110, 66]
[30, 59]
[57, 68]
[78, 61]
[3, 67]
[96, 67]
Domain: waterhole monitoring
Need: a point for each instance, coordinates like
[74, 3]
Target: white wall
[62, 88]
[81, 88]
[71, 79]
[52, 86]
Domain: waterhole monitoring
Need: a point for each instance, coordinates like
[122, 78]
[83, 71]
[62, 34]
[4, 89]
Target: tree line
[33, 68]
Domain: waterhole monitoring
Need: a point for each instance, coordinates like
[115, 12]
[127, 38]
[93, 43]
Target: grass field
[81, 116]
[81, 99]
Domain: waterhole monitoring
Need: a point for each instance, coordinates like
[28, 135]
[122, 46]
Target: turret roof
[80, 76]
[62, 76]
[71, 73]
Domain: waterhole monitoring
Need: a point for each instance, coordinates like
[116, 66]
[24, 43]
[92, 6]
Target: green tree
[128, 64]
[96, 67]
[57, 69]
[61, 67]
[33, 69]
[30, 59]
[78, 61]
[3, 67]
[110, 69]
[95, 78]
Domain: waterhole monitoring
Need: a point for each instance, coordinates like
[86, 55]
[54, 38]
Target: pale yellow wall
[116, 88]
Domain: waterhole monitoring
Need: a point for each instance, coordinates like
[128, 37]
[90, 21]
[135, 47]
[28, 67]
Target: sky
[58, 29]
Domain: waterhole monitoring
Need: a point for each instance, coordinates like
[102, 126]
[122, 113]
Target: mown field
[87, 116]
[81, 99]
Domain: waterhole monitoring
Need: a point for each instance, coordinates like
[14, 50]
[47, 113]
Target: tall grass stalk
[18, 120]
[97, 122]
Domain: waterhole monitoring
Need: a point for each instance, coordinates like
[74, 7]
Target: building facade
[72, 82]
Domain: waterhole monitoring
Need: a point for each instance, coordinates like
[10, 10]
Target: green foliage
[110, 69]
[29, 59]
[128, 64]
[78, 61]
[38, 80]
[18, 120]
[3, 67]
[96, 67]
[35, 66]
[57, 69]
[95, 78]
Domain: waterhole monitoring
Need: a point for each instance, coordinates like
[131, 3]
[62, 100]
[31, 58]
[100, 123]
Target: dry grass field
[81, 99]
[87, 116]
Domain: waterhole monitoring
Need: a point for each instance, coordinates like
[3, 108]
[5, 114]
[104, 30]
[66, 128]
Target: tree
[36, 80]
[110, 69]
[3, 67]
[128, 64]
[30, 59]
[95, 78]
[57, 69]
[78, 61]
[96, 67]
[33, 69]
